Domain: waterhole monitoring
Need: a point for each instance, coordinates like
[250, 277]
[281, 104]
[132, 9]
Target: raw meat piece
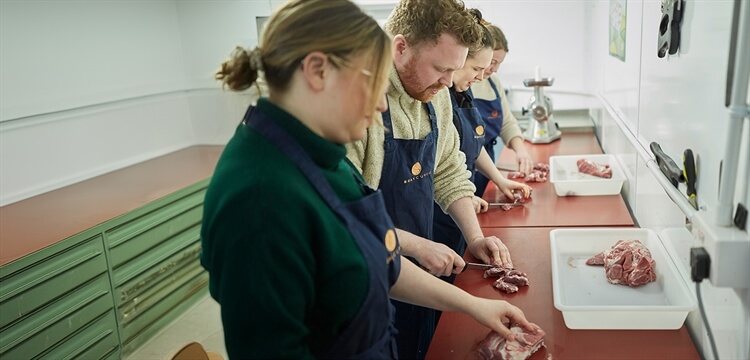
[628, 262]
[517, 199]
[509, 279]
[598, 259]
[592, 168]
[494, 346]
[538, 174]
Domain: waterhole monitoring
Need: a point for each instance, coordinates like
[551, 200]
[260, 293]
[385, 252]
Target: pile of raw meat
[538, 174]
[628, 262]
[509, 279]
[592, 168]
[496, 347]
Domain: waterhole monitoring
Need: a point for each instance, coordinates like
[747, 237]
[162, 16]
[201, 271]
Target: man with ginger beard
[414, 156]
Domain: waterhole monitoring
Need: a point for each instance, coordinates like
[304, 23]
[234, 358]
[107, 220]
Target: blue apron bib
[370, 335]
[407, 185]
[492, 113]
[471, 131]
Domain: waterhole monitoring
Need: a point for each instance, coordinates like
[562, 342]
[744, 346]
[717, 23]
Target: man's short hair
[423, 21]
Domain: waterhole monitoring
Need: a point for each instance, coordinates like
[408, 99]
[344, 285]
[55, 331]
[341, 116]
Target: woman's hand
[480, 205]
[523, 159]
[498, 315]
[506, 187]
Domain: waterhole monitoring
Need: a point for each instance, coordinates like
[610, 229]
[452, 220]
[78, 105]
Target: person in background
[471, 132]
[490, 99]
[301, 254]
[415, 159]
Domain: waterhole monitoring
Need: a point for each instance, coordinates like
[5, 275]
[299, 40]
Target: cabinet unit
[96, 269]
[154, 256]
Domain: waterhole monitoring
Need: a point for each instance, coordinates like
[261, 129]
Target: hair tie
[255, 59]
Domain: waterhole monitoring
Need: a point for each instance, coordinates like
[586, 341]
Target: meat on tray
[592, 168]
[538, 174]
[628, 262]
[509, 279]
[496, 347]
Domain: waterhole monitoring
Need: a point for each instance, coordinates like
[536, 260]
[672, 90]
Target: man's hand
[438, 259]
[491, 251]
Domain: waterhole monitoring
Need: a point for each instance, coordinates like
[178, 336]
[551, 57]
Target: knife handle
[667, 166]
[690, 172]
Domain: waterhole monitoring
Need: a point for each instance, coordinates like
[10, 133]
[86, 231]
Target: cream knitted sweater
[411, 121]
[483, 90]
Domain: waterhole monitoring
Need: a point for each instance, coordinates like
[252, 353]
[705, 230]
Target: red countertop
[458, 334]
[35, 223]
[545, 208]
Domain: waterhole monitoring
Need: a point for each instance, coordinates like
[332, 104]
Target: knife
[666, 164]
[477, 266]
[507, 167]
[690, 174]
[504, 204]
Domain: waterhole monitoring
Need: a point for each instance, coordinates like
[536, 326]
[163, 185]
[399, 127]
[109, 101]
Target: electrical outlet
[729, 249]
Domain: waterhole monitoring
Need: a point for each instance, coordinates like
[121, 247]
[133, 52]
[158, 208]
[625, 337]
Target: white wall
[678, 102]
[93, 86]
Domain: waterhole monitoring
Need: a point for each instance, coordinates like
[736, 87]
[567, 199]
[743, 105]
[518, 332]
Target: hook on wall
[670, 27]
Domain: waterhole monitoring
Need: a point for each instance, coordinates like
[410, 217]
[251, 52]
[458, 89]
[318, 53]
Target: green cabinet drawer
[98, 341]
[138, 236]
[35, 285]
[61, 320]
[159, 264]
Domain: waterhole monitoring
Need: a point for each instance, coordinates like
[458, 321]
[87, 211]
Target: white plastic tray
[568, 181]
[588, 301]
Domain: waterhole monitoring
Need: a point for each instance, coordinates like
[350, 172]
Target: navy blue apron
[492, 113]
[407, 185]
[471, 131]
[370, 335]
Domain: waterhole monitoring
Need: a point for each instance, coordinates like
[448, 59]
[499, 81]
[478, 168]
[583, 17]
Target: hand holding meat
[497, 314]
[495, 347]
[507, 188]
[523, 159]
[491, 251]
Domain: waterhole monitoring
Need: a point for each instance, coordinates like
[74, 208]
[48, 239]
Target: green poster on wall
[617, 28]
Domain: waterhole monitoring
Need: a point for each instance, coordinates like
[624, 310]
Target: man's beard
[410, 76]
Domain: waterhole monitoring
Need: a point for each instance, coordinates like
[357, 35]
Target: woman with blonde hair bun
[301, 254]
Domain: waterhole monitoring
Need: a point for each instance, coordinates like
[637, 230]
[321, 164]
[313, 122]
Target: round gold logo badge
[390, 240]
[480, 130]
[416, 169]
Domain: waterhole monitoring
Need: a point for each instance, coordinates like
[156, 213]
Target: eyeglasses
[339, 61]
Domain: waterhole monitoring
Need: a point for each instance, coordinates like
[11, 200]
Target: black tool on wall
[670, 27]
[690, 174]
[667, 166]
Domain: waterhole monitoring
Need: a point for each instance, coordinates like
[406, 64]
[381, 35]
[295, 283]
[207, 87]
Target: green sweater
[286, 271]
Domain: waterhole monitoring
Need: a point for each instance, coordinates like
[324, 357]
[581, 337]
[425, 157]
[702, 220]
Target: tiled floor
[202, 324]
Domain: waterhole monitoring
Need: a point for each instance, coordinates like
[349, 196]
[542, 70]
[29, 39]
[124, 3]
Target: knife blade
[507, 167]
[505, 204]
[478, 266]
